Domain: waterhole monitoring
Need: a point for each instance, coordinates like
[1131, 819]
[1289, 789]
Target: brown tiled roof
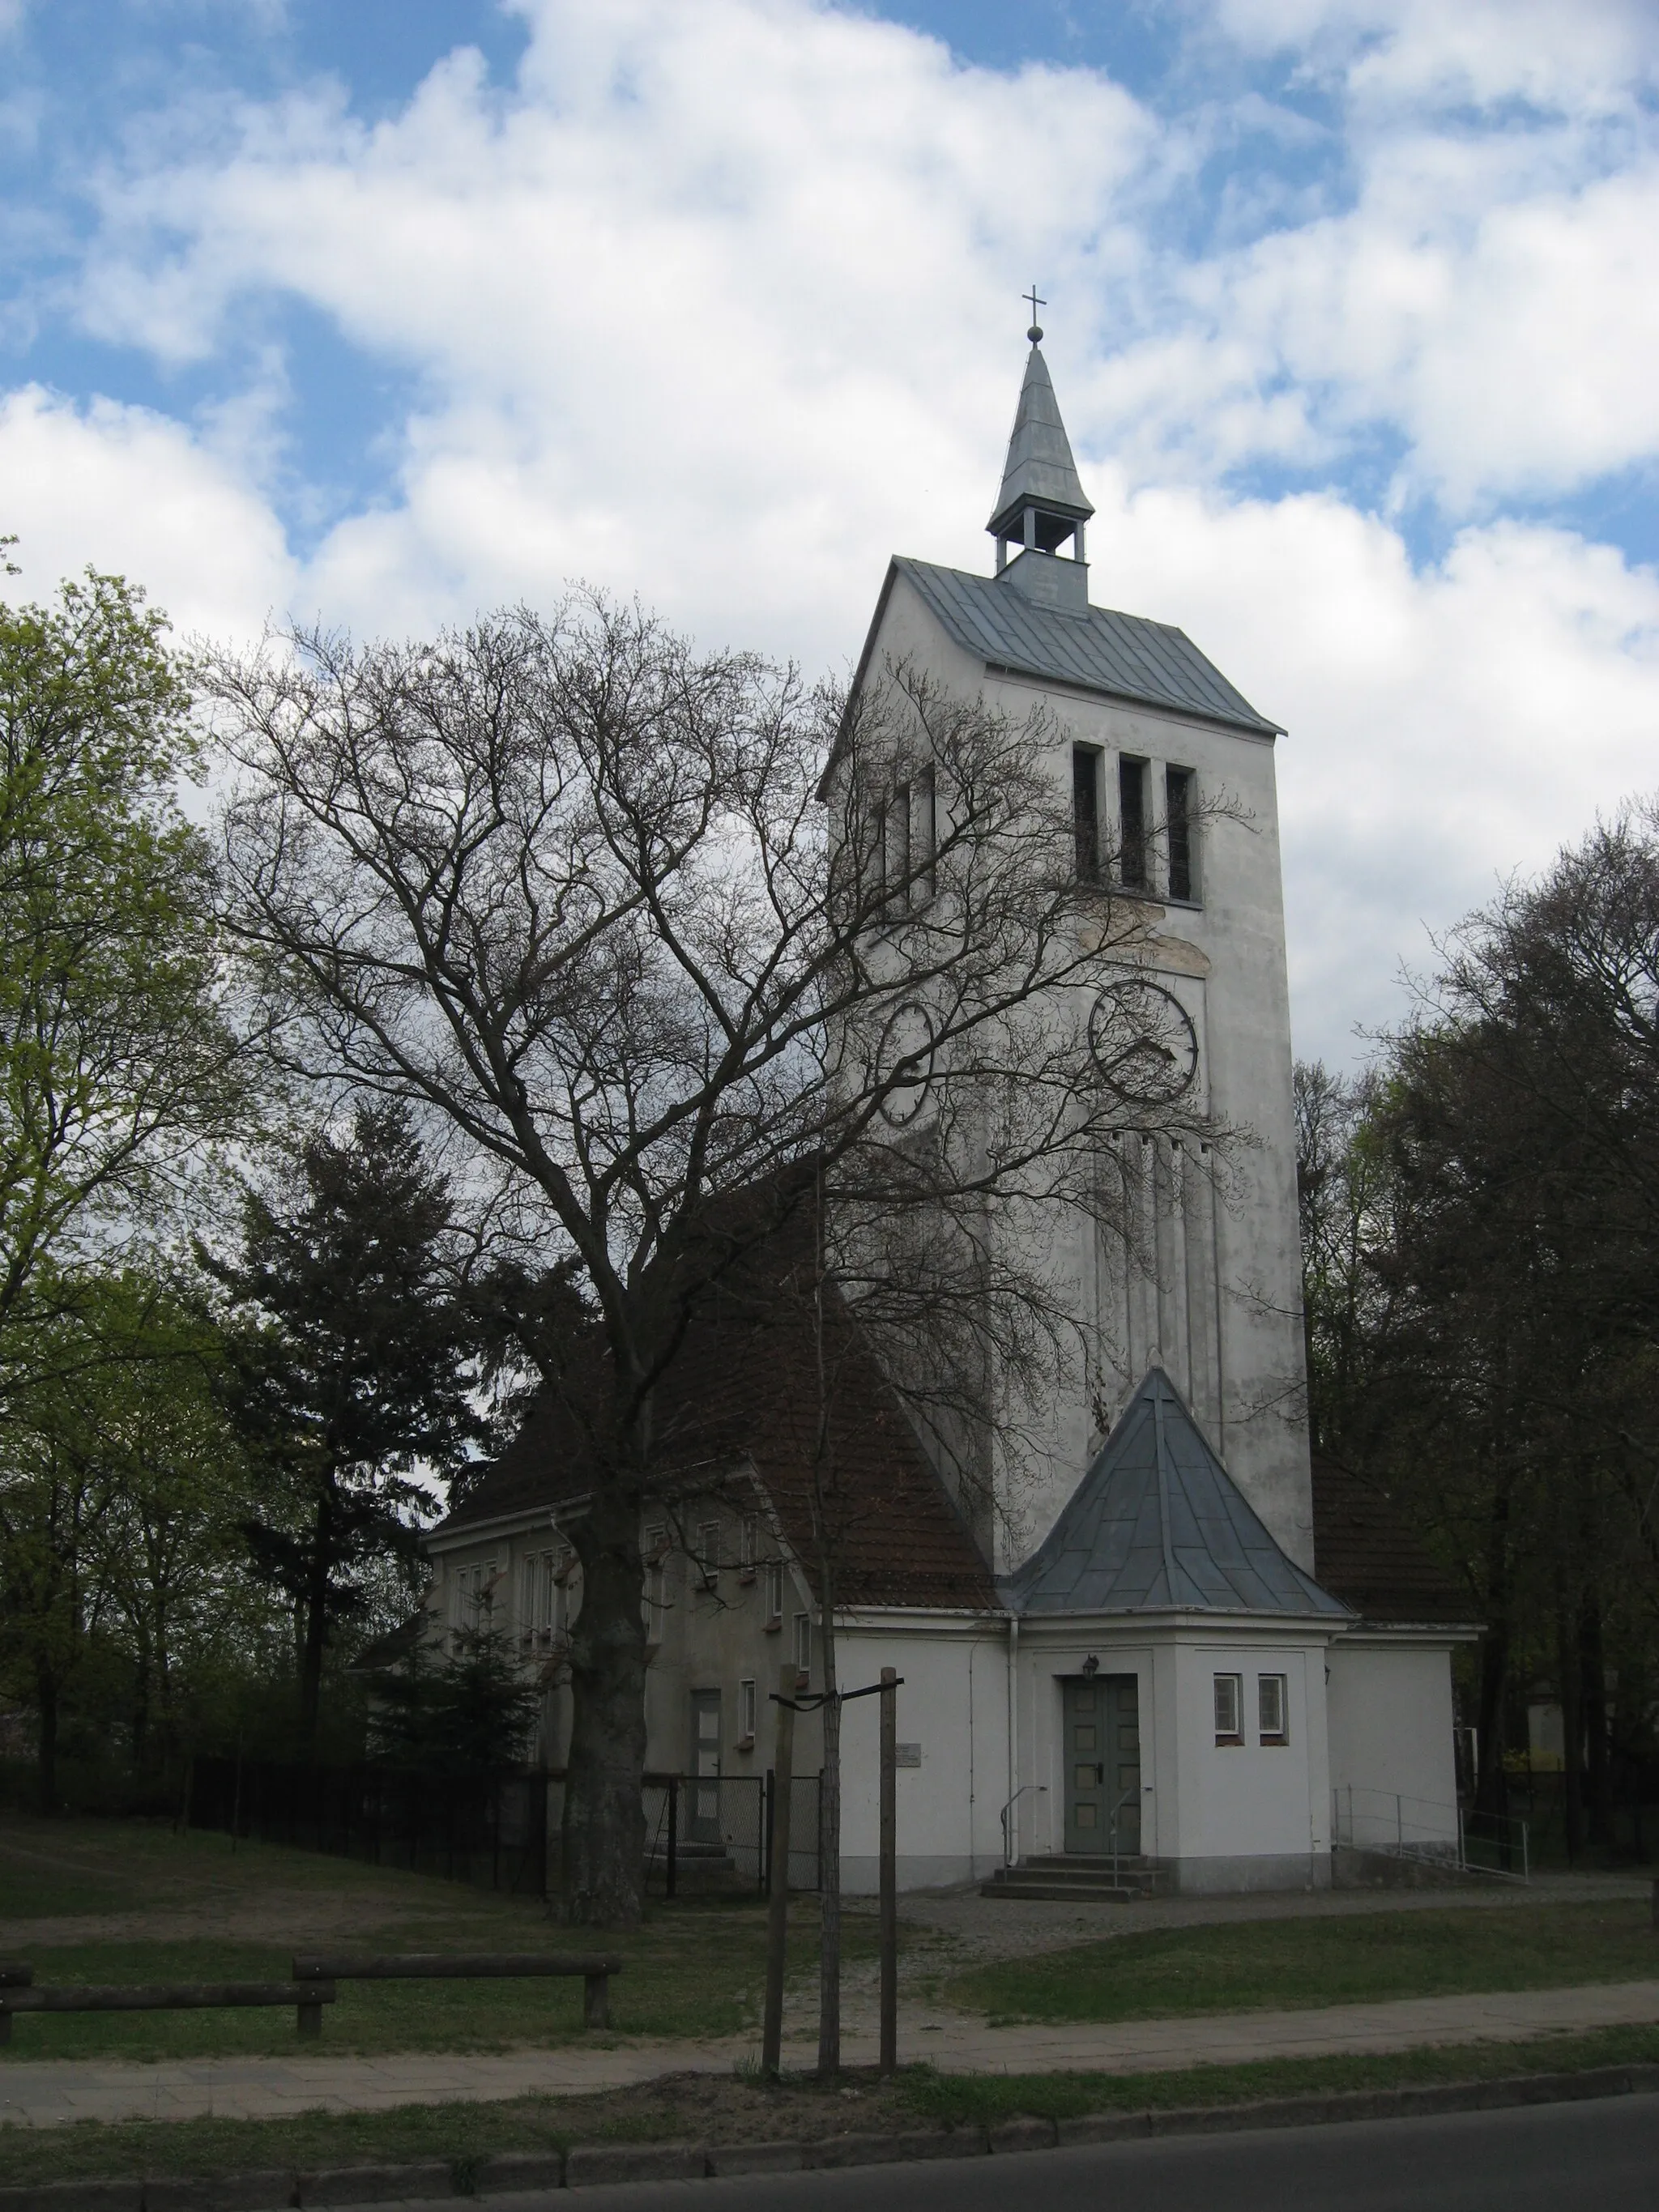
[1365, 1554]
[745, 1387]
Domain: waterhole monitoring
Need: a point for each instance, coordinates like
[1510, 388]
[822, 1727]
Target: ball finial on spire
[1035, 333]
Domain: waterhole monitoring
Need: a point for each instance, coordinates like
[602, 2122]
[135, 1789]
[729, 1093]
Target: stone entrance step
[1078, 1880]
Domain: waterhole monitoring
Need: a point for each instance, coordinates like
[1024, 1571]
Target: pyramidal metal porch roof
[1158, 1523]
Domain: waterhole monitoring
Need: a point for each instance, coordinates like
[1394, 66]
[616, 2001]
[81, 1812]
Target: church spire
[1041, 502]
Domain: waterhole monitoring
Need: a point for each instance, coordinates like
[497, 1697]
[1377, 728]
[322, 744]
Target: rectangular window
[1132, 817]
[895, 851]
[803, 1643]
[774, 1593]
[924, 835]
[748, 1542]
[1178, 823]
[745, 1712]
[1085, 811]
[656, 1602]
[1229, 1708]
[1270, 1708]
[708, 1554]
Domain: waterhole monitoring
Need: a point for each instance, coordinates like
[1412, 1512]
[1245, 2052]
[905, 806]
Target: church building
[1191, 1658]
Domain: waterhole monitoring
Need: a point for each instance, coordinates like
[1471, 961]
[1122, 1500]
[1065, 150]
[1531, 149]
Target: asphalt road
[1602, 2156]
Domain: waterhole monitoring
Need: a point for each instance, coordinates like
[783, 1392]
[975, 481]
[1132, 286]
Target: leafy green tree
[348, 1370]
[117, 1071]
[117, 1068]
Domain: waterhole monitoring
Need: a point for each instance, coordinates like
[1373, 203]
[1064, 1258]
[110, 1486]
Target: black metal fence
[716, 1831]
[491, 1829]
[702, 1833]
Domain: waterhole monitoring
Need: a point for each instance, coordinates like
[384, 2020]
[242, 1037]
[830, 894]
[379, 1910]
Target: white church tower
[1171, 773]
[1180, 1690]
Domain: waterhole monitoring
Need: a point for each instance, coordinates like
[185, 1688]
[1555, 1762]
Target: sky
[381, 314]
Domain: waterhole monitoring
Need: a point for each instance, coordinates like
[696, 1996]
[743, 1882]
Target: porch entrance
[703, 1820]
[1102, 1716]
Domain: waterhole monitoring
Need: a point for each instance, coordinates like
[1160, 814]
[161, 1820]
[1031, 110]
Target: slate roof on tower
[1039, 470]
[1122, 656]
[1158, 1524]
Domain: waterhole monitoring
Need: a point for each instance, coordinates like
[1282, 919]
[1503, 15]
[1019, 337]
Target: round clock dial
[907, 1038]
[1143, 1041]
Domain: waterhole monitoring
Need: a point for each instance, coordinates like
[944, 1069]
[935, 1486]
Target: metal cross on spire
[1036, 331]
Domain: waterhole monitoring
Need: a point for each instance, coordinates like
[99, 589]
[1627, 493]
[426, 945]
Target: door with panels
[1101, 1720]
[703, 1820]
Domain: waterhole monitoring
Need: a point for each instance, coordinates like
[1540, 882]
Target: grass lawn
[723, 2108]
[1244, 1965]
[696, 1967]
[690, 1974]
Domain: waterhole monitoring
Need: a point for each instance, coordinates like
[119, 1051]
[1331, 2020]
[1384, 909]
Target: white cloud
[1444, 728]
[128, 491]
[719, 304]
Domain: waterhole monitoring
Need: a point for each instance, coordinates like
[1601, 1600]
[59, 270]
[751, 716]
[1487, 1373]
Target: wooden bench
[595, 1969]
[18, 1993]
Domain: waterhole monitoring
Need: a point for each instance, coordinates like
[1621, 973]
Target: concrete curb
[593, 2166]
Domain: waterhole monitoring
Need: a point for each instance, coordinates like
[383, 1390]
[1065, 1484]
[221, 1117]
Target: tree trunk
[316, 1627]
[602, 1844]
[1491, 1795]
[1572, 1738]
[1593, 1673]
[45, 1698]
[830, 1846]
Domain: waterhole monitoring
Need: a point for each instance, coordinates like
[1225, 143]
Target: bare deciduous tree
[644, 928]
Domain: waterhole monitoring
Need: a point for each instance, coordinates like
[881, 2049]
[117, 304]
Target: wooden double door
[1101, 1716]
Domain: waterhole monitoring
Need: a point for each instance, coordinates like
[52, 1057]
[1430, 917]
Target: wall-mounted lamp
[1091, 1665]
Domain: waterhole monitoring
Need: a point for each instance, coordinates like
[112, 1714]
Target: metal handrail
[1122, 1800]
[1042, 1788]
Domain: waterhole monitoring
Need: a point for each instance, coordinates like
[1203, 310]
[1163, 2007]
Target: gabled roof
[1374, 1560]
[1122, 656]
[1158, 1524]
[744, 1392]
[1039, 470]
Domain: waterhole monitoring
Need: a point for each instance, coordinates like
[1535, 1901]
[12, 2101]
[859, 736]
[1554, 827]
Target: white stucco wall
[1393, 1766]
[1223, 1316]
[953, 1702]
[1247, 1816]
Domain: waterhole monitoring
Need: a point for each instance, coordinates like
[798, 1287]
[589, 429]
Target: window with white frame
[803, 1643]
[471, 1590]
[539, 1597]
[748, 1547]
[709, 1554]
[774, 1593]
[745, 1712]
[1271, 1709]
[1230, 1709]
[656, 1603]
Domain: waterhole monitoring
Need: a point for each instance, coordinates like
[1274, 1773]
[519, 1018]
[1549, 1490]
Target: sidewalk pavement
[47, 2092]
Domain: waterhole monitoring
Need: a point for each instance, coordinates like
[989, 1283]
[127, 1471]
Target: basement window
[1178, 827]
[1229, 1709]
[1270, 1708]
[1132, 818]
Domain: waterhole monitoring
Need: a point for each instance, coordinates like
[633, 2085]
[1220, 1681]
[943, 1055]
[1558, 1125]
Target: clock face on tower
[1144, 1043]
[907, 1040]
